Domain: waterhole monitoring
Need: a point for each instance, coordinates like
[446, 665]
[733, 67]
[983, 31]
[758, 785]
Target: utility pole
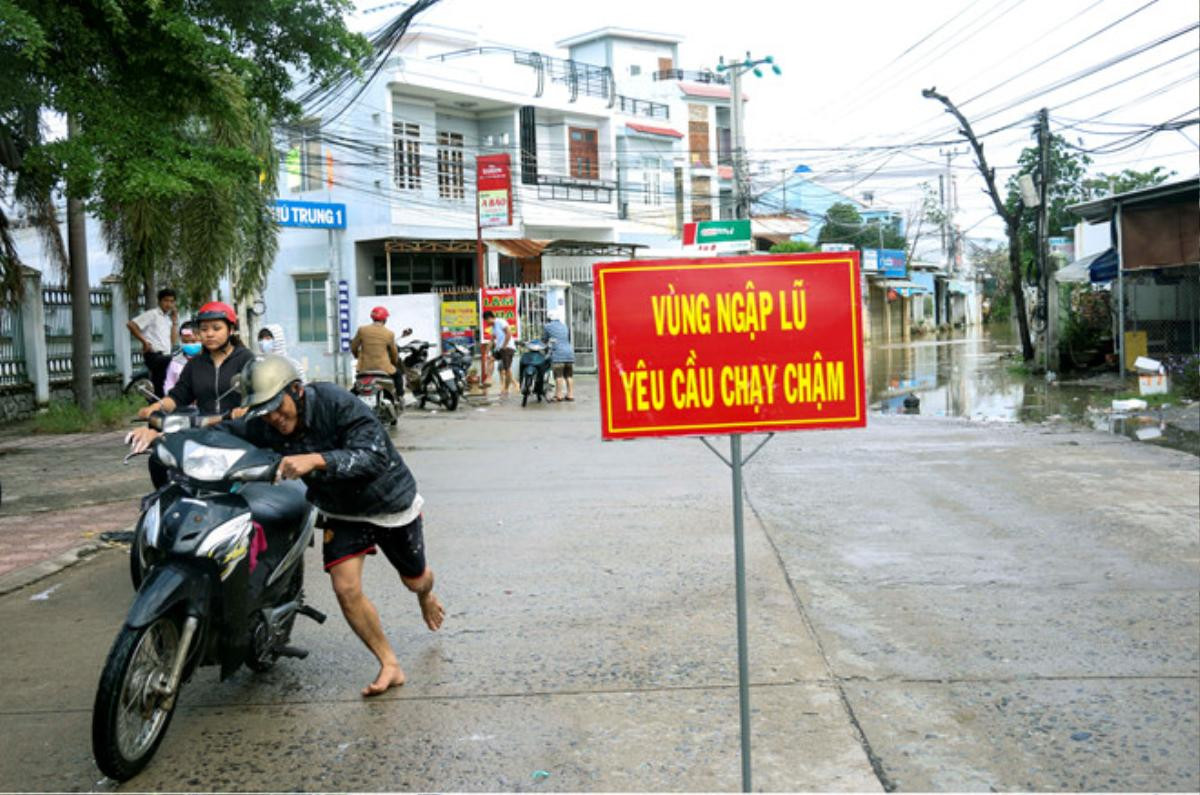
[1043, 222]
[741, 188]
[81, 299]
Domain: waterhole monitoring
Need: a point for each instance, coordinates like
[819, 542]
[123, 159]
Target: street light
[736, 70]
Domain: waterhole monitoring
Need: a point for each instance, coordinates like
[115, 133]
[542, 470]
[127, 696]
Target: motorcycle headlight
[165, 456]
[227, 543]
[151, 522]
[208, 463]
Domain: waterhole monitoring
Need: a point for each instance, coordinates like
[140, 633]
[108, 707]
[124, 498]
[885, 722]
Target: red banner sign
[729, 345]
[494, 189]
[502, 302]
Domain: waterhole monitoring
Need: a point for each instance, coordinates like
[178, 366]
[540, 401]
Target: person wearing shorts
[562, 357]
[503, 348]
[364, 491]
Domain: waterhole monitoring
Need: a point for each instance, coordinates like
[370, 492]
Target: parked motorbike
[378, 390]
[459, 356]
[535, 370]
[218, 563]
[429, 380]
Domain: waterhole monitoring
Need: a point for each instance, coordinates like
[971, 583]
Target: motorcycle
[378, 390]
[429, 380]
[218, 564]
[535, 369]
[459, 356]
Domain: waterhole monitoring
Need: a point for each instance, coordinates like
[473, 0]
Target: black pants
[157, 363]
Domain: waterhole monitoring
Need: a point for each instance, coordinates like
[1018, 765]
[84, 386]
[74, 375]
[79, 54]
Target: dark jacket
[365, 476]
[202, 382]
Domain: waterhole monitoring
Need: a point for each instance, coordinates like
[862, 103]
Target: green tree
[1103, 184]
[1067, 170]
[844, 224]
[173, 101]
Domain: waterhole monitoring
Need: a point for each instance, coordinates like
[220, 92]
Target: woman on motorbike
[206, 381]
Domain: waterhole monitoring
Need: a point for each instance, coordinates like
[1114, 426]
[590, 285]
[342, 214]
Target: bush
[1185, 375]
[66, 417]
[1001, 308]
[792, 247]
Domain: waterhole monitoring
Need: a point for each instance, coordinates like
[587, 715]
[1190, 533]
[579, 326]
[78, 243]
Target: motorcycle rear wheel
[129, 717]
[526, 387]
[261, 659]
[449, 398]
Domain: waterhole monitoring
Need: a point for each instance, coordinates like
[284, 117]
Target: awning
[903, 286]
[1096, 268]
[650, 129]
[518, 247]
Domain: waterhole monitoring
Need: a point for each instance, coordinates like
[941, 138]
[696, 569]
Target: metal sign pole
[735, 462]
[739, 557]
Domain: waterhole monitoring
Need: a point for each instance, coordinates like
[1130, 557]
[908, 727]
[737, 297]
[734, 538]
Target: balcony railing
[694, 76]
[642, 107]
[578, 77]
[579, 189]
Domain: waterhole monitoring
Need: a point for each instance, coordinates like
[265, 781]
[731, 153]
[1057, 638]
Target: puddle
[969, 375]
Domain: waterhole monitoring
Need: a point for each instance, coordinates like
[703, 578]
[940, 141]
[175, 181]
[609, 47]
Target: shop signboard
[311, 215]
[502, 302]
[716, 236]
[729, 345]
[460, 319]
[494, 181]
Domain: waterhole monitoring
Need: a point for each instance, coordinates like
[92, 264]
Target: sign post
[730, 345]
[493, 207]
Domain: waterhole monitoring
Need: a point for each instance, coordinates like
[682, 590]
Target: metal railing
[56, 302]
[580, 189]
[642, 107]
[694, 76]
[12, 346]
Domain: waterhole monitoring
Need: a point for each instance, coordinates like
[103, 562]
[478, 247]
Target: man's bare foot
[389, 676]
[431, 610]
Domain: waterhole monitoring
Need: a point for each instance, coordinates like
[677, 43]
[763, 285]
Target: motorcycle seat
[280, 509]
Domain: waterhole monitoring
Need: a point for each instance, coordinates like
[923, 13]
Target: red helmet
[379, 314]
[217, 310]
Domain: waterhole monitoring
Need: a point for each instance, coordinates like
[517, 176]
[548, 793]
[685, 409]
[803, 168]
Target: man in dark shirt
[366, 494]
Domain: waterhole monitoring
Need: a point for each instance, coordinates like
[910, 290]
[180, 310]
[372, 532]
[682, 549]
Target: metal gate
[583, 326]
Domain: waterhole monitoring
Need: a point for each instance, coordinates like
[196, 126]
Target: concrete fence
[35, 345]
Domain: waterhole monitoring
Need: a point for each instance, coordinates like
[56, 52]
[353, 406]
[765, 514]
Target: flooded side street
[975, 374]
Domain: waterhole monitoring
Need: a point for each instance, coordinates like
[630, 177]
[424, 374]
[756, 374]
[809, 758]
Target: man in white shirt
[504, 347]
[158, 331]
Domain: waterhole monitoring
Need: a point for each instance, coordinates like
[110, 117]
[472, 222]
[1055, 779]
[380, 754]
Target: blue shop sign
[892, 263]
[314, 215]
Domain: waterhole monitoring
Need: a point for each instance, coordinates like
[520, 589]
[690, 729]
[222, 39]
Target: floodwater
[971, 374]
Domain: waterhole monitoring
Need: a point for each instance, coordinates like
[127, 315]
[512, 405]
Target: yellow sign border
[854, 327]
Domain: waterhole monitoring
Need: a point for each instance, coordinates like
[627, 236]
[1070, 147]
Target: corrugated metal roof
[519, 248]
[710, 91]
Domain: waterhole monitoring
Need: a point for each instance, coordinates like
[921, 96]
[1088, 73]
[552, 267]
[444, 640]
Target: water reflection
[971, 374]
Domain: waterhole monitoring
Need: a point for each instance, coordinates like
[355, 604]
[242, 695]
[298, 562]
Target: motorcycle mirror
[235, 383]
[407, 332]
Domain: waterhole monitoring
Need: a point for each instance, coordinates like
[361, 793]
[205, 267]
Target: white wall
[419, 311]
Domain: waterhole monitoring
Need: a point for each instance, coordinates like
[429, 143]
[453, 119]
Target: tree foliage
[844, 224]
[1103, 184]
[174, 102]
[792, 247]
[1067, 169]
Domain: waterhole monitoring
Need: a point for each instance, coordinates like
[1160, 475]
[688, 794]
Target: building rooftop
[619, 33]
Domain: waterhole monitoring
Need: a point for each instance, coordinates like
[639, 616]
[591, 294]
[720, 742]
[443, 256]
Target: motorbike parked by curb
[218, 563]
[429, 380]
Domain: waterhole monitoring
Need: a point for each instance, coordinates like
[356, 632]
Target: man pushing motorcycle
[366, 494]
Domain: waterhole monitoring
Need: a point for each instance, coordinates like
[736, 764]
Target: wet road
[974, 375]
[935, 604]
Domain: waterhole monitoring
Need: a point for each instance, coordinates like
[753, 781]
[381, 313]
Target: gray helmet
[263, 381]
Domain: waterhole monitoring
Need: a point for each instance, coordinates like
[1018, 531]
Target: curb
[16, 580]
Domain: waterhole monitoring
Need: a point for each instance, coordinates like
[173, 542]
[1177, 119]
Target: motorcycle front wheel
[131, 715]
[449, 398]
[526, 387]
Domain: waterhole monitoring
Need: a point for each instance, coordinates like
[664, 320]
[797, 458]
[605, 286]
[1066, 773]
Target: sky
[853, 73]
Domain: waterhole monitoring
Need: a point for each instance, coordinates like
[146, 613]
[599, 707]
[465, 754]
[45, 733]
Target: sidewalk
[60, 494]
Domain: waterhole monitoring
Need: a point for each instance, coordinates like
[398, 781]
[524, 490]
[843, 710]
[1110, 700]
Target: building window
[724, 146]
[634, 70]
[304, 163]
[406, 143]
[529, 159]
[726, 205]
[585, 153]
[450, 166]
[311, 309]
[698, 135]
[702, 199]
[652, 180]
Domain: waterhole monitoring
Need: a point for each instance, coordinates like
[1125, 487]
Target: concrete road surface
[933, 605]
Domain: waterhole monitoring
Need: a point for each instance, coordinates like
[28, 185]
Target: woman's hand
[139, 439]
[238, 413]
[145, 411]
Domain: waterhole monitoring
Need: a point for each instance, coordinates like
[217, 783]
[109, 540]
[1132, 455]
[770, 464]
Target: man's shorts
[564, 370]
[504, 358]
[403, 546]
